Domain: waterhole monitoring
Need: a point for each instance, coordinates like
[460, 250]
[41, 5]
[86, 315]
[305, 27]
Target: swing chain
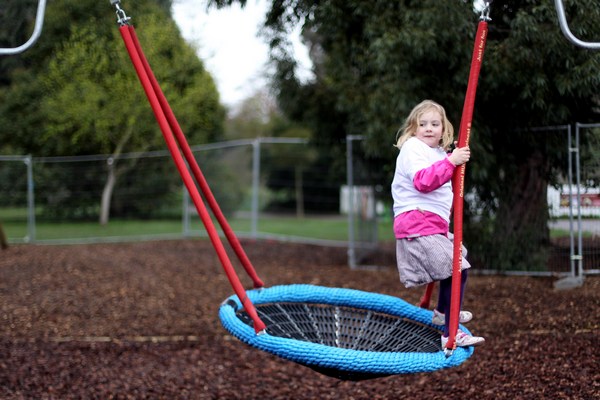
[122, 18]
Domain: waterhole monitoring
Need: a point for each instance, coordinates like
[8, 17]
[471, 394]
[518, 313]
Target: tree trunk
[521, 235]
[3, 240]
[107, 194]
[112, 177]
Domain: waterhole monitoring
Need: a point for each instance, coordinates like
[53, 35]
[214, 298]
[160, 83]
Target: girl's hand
[460, 155]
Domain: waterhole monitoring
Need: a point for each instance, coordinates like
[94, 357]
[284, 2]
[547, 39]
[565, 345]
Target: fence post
[185, 212]
[576, 277]
[579, 225]
[255, 185]
[351, 205]
[30, 201]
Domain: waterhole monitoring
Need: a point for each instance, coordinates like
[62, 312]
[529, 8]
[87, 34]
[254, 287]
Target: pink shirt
[415, 223]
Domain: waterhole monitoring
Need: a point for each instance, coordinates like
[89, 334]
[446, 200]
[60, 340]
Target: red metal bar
[426, 299]
[186, 177]
[193, 164]
[458, 179]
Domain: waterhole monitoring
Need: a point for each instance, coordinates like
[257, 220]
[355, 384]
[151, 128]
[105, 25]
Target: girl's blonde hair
[409, 128]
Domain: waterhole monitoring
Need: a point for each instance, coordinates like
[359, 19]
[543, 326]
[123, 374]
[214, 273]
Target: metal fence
[578, 200]
[253, 180]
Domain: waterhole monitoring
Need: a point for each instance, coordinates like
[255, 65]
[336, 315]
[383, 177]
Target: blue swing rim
[347, 361]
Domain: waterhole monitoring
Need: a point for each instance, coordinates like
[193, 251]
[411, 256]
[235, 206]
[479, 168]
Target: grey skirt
[426, 259]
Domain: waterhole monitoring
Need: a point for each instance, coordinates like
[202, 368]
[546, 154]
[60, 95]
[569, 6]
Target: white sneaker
[440, 319]
[463, 339]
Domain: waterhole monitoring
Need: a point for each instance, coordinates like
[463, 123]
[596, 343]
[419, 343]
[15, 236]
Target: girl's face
[430, 128]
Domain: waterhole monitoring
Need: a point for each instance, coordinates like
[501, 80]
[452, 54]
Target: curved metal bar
[564, 26]
[37, 31]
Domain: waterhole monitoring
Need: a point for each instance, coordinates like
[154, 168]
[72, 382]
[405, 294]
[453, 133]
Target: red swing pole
[125, 30]
[426, 299]
[458, 179]
[193, 164]
[464, 131]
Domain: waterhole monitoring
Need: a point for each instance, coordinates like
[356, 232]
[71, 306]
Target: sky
[228, 43]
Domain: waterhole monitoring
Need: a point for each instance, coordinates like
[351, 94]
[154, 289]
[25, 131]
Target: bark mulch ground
[140, 321]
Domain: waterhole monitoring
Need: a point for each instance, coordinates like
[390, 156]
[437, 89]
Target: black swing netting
[346, 327]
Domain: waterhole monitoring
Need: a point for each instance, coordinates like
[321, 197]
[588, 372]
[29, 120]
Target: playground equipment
[564, 26]
[37, 31]
[577, 277]
[344, 333]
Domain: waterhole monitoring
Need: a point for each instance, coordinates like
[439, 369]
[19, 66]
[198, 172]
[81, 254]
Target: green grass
[53, 231]
[13, 213]
[335, 227]
[561, 233]
[319, 227]
[84, 230]
[311, 227]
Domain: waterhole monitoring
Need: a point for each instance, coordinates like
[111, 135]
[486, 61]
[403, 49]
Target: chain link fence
[263, 186]
[266, 190]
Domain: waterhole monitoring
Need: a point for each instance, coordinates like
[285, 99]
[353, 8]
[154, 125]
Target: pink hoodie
[419, 222]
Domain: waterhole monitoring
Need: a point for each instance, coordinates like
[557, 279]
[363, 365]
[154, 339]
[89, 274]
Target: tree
[376, 59]
[259, 116]
[86, 111]
[89, 100]
[3, 240]
[534, 77]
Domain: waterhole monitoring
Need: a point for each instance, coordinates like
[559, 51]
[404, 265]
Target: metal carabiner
[485, 13]
[482, 7]
[122, 18]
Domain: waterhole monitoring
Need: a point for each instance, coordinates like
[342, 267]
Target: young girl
[422, 193]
